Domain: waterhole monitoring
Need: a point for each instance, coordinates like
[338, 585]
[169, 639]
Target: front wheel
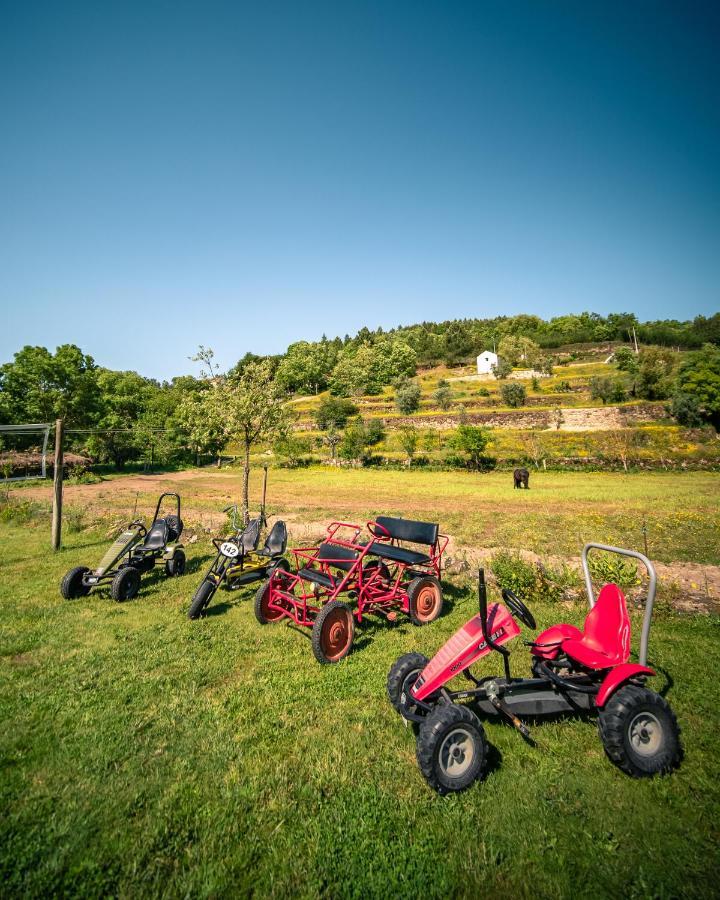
[263, 612]
[176, 565]
[639, 732]
[203, 596]
[72, 587]
[452, 749]
[425, 600]
[401, 677]
[125, 584]
[333, 632]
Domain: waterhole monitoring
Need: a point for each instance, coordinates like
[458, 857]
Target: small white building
[486, 361]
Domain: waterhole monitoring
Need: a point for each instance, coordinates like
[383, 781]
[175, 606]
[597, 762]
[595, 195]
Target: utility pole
[635, 340]
[57, 486]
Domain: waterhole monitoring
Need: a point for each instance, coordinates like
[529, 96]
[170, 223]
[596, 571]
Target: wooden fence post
[57, 486]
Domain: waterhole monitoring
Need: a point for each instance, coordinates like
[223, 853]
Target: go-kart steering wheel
[518, 608]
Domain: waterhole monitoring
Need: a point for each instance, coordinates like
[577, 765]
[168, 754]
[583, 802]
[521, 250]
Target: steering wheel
[376, 530]
[140, 525]
[518, 608]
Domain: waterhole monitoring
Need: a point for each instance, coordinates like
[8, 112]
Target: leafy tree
[407, 396]
[443, 395]
[409, 441]
[516, 349]
[334, 412]
[697, 387]
[513, 393]
[332, 439]
[306, 366]
[354, 441]
[374, 431]
[472, 441]
[626, 360]
[655, 367]
[201, 417]
[206, 357]
[39, 386]
[601, 388]
[125, 396]
[502, 368]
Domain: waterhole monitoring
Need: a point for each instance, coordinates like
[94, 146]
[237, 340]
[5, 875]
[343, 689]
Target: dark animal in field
[521, 477]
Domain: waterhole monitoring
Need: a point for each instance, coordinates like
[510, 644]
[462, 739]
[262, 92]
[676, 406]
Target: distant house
[486, 361]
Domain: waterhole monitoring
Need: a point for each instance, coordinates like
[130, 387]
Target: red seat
[605, 641]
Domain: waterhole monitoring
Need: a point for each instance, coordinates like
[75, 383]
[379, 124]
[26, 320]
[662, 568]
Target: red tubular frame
[290, 596]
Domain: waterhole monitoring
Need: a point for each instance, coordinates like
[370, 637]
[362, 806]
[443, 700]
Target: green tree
[697, 387]
[353, 445]
[443, 395]
[409, 441]
[502, 369]
[306, 367]
[517, 349]
[601, 388]
[472, 441]
[407, 396]
[654, 376]
[626, 360]
[334, 412]
[513, 393]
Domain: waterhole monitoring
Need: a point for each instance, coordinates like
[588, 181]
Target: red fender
[617, 676]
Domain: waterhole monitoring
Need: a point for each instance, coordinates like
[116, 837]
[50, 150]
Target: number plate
[227, 548]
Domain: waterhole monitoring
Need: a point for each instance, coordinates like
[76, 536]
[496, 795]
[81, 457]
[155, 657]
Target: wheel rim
[645, 733]
[426, 602]
[336, 634]
[457, 753]
[272, 615]
[407, 685]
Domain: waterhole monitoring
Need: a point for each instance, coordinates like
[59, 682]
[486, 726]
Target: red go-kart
[574, 671]
[382, 574]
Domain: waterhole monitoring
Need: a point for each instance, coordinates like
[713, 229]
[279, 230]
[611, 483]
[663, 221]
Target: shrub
[23, 512]
[513, 394]
[532, 582]
[334, 412]
[564, 387]
[443, 396]
[610, 568]
[483, 392]
[407, 396]
[75, 518]
[502, 369]
[472, 441]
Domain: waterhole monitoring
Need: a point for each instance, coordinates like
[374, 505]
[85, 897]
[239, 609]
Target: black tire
[202, 597]
[71, 587]
[402, 676]
[125, 584]
[281, 564]
[639, 732]
[451, 749]
[262, 613]
[425, 598]
[175, 566]
[333, 632]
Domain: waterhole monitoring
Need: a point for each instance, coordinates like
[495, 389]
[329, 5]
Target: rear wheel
[203, 596]
[451, 748]
[639, 732]
[263, 613]
[333, 632]
[125, 584]
[280, 564]
[425, 599]
[72, 587]
[402, 676]
[176, 565]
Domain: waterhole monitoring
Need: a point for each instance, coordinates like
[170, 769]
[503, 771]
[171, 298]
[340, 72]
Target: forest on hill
[115, 416]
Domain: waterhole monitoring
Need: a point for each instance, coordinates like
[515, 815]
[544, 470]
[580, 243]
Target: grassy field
[145, 754]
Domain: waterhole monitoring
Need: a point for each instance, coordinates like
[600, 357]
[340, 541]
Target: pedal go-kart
[135, 551]
[238, 561]
[380, 573]
[574, 671]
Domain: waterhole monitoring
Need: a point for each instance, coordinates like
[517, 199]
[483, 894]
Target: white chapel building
[486, 361]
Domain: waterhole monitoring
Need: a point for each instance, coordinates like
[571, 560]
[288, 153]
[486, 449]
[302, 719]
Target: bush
[564, 387]
[483, 392]
[407, 396]
[502, 369]
[334, 412]
[76, 518]
[443, 396]
[23, 512]
[513, 394]
[610, 568]
[532, 582]
[472, 441]
[83, 476]
[374, 432]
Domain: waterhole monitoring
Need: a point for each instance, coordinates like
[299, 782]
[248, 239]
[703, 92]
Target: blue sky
[245, 175]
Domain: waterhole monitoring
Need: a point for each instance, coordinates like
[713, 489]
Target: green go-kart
[133, 553]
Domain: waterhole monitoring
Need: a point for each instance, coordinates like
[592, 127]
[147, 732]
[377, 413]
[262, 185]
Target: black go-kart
[133, 553]
[238, 561]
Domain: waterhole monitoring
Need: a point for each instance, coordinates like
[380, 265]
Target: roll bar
[652, 587]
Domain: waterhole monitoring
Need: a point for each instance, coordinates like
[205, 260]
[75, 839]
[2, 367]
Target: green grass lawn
[143, 754]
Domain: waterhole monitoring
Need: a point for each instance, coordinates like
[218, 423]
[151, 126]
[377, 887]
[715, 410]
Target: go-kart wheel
[203, 596]
[281, 564]
[71, 587]
[125, 584]
[451, 748]
[175, 566]
[263, 613]
[639, 732]
[333, 632]
[402, 676]
[425, 599]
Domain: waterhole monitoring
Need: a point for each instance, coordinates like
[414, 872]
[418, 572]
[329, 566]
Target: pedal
[391, 617]
[510, 716]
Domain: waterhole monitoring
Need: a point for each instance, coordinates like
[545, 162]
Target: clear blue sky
[245, 175]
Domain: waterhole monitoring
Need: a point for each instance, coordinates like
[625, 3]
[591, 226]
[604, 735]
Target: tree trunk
[246, 484]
